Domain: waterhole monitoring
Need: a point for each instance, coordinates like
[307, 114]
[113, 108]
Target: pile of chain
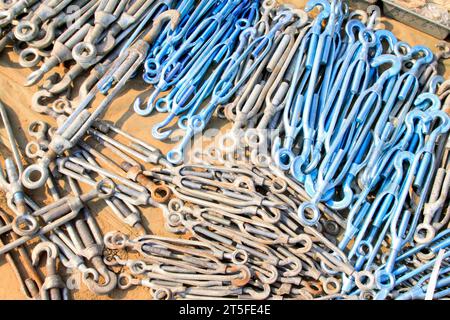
[331, 184]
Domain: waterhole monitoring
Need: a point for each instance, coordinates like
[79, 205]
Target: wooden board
[17, 99]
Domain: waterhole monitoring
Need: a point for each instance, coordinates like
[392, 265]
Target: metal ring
[124, 281]
[33, 150]
[424, 233]
[175, 205]
[137, 267]
[174, 219]
[364, 280]
[302, 213]
[84, 53]
[228, 142]
[26, 31]
[278, 185]
[29, 57]
[175, 156]
[105, 188]
[384, 279]
[162, 294]
[239, 257]
[331, 285]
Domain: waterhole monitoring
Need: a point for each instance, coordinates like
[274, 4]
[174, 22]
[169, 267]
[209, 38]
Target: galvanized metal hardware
[53, 287]
[29, 279]
[80, 120]
[52, 216]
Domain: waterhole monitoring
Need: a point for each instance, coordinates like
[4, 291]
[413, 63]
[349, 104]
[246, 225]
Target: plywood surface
[17, 99]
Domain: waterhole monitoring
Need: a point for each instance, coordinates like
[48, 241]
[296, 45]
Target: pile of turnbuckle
[246, 240]
[83, 35]
[332, 183]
